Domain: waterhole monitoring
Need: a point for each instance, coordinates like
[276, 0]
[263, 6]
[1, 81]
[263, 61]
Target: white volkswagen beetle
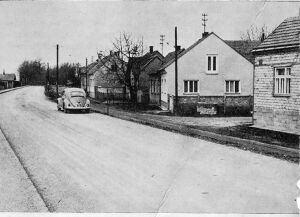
[73, 99]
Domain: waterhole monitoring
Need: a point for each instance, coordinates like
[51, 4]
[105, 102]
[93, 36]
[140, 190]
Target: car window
[77, 94]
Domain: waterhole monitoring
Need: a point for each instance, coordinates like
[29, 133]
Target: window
[232, 86]
[282, 81]
[212, 64]
[77, 94]
[190, 86]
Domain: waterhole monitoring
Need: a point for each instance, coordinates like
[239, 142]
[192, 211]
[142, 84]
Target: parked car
[73, 99]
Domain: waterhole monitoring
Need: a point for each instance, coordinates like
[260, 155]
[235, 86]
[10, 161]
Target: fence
[111, 94]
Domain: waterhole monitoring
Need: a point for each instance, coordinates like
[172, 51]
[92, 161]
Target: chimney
[262, 37]
[151, 49]
[99, 55]
[3, 71]
[204, 34]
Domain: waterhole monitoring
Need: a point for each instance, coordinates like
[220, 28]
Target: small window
[190, 86]
[232, 86]
[282, 81]
[212, 64]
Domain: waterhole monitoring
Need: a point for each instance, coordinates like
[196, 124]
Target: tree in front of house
[124, 59]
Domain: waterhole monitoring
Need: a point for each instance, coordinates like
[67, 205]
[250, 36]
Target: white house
[209, 71]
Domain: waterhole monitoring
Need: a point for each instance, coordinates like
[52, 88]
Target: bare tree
[255, 33]
[123, 62]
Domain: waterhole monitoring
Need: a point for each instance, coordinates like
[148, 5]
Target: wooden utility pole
[86, 77]
[176, 73]
[57, 48]
[47, 77]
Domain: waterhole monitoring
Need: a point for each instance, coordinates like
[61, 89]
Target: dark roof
[244, 48]
[89, 67]
[171, 55]
[182, 52]
[239, 48]
[286, 35]
[145, 59]
[8, 77]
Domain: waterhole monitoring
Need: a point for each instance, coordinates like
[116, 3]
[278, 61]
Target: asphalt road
[96, 163]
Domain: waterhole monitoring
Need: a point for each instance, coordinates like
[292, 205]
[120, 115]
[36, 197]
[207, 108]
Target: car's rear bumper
[78, 108]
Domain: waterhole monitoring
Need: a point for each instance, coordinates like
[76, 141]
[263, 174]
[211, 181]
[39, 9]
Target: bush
[50, 91]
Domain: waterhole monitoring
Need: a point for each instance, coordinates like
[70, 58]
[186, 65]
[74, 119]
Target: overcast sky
[31, 30]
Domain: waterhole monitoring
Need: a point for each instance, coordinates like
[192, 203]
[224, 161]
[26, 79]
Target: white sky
[31, 29]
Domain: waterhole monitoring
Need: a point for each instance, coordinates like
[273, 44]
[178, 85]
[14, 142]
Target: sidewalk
[10, 89]
[232, 131]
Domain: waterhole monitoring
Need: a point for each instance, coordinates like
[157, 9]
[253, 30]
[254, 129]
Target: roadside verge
[285, 153]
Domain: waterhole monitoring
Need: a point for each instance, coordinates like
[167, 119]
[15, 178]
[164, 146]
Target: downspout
[253, 88]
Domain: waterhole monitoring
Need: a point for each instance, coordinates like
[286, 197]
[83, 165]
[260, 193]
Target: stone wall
[279, 112]
[224, 105]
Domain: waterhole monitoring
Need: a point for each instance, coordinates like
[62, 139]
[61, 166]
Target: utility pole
[176, 72]
[86, 77]
[57, 48]
[204, 21]
[162, 38]
[47, 78]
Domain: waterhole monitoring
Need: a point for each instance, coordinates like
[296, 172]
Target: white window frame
[234, 82]
[212, 71]
[282, 83]
[188, 87]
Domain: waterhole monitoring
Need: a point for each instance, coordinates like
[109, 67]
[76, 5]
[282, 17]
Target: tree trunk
[133, 95]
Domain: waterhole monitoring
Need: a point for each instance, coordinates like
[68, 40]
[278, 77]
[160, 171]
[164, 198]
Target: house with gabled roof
[84, 73]
[213, 78]
[145, 66]
[277, 79]
[8, 80]
[102, 77]
[156, 81]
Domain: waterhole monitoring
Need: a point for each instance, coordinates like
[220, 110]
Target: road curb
[11, 89]
[223, 139]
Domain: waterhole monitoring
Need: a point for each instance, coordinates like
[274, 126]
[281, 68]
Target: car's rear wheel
[64, 109]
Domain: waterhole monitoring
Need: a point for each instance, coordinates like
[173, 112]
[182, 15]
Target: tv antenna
[162, 39]
[204, 19]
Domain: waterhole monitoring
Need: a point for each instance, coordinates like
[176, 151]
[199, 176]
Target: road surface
[96, 163]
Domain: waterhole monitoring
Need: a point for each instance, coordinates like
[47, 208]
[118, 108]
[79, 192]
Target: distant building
[213, 75]
[277, 79]
[7, 81]
[84, 73]
[102, 77]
